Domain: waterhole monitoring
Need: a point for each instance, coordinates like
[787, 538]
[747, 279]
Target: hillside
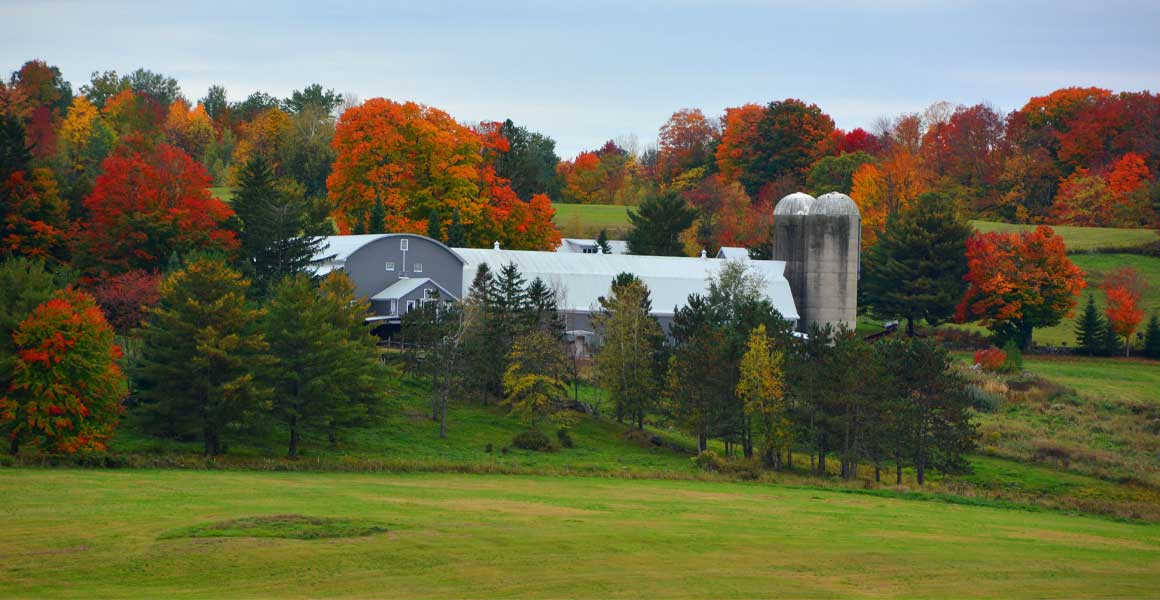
[586, 220]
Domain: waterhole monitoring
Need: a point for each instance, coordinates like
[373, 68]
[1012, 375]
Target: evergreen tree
[657, 225]
[360, 225]
[15, 153]
[378, 217]
[602, 242]
[627, 364]
[484, 371]
[24, 284]
[1110, 344]
[279, 234]
[456, 234]
[327, 373]
[200, 352]
[916, 268]
[544, 313]
[1152, 338]
[434, 225]
[1089, 329]
[533, 380]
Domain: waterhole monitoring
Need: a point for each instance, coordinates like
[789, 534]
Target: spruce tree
[544, 312]
[279, 230]
[1110, 342]
[456, 234]
[434, 225]
[378, 218]
[327, 373]
[1152, 338]
[1089, 329]
[657, 225]
[602, 241]
[916, 268]
[199, 355]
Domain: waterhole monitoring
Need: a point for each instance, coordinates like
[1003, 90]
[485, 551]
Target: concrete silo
[789, 245]
[833, 231]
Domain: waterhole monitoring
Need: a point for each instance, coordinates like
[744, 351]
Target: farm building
[400, 271]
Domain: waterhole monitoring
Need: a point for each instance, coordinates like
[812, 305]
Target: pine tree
[1110, 344]
[326, 373]
[916, 268]
[456, 234]
[484, 372]
[1089, 329]
[378, 218]
[434, 225]
[200, 351]
[657, 225]
[280, 235]
[602, 241]
[544, 313]
[1152, 338]
[360, 225]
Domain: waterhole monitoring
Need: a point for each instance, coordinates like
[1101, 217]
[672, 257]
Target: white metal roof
[733, 252]
[579, 244]
[406, 285]
[580, 279]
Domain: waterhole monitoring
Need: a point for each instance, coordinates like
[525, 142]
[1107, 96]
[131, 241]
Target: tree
[628, 365]
[66, 388]
[529, 163]
[836, 173]
[1124, 287]
[657, 225]
[533, 382]
[201, 350]
[1152, 338]
[278, 235]
[127, 298]
[313, 97]
[602, 242]
[147, 206]
[686, 141]
[33, 217]
[885, 189]
[326, 373]
[916, 268]
[24, 285]
[14, 151]
[761, 389]
[785, 141]
[1089, 329]
[1019, 281]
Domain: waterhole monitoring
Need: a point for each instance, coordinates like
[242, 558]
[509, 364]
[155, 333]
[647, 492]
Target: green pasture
[1082, 239]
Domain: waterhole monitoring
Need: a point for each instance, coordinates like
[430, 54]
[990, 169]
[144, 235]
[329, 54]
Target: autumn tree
[1019, 281]
[885, 189]
[85, 142]
[533, 382]
[147, 207]
[327, 372]
[686, 141]
[33, 217]
[201, 352]
[24, 285]
[1124, 287]
[760, 388]
[916, 268]
[65, 388]
[836, 173]
[657, 225]
[787, 138]
[127, 298]
[628, 364]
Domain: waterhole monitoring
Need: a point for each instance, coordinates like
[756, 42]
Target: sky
[584, 72]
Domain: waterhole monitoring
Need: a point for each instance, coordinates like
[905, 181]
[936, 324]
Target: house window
[418, 267]
[390, 266]
[589, 250]
[410, 305]
[403, 244]
[392, 307]
[430, 294]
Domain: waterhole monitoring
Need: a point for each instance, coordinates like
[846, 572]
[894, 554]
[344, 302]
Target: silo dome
[797, 203]
[833, 204]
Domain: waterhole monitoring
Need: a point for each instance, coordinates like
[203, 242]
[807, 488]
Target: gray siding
[367, 265]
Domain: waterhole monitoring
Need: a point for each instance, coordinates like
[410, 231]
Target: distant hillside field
[225, 194]
[1081, 239]
[586, 220]
[125, 533]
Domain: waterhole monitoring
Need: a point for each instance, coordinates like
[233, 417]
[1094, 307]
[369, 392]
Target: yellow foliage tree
[762, 390]
[882, 190]
[533, 385]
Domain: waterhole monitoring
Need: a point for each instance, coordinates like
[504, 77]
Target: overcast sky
[587, 71]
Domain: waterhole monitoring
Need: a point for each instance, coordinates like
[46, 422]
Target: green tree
[327, 373]
[602, 242]
[456, 234]
[836, 173]
[628, 365]
[15, 152]
[533, 382]
[201, 350]
[278, 235]
[530, 162]
[1152, 338]
[1089, 329]
[787, 140]
[313, 97]
[657, 225]
[916, 268]
[24, 285]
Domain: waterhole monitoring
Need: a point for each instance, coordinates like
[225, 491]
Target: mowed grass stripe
[96, 533]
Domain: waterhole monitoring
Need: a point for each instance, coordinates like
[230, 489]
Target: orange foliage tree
[685, 141]
[1019, 281]
[416, 161]
[33, 217]
[1124, 287]
[66, 387]
[147, 206]
[189, 129]
[738, 136]
[885, 189]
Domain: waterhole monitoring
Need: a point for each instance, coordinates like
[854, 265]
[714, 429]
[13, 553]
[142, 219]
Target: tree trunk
[702, 442]
[877, 473]
[789, 457]
[14, 446]
[293, 452]
[909, 326]
[1025, 332]
[821, 462]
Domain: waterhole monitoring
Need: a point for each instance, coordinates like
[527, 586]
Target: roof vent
[704, 255]
[495, 246]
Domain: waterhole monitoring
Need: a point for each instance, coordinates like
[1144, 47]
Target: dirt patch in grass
[294, 527]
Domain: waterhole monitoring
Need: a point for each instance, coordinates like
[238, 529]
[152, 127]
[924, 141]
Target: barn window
[418, 267]
[403, 244]
[390, 266]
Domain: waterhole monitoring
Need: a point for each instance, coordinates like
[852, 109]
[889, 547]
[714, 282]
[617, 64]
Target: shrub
[1013, 362]
[532, 439]
[990, 359]
[984, 401]
[564, 437]
[708, 461]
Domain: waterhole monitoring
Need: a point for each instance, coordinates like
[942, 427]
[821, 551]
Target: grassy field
[586, 220]
[120, 534]
[1083, 239]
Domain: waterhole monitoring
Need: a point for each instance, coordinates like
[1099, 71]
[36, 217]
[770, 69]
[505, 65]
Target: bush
[532, 439]
[564, 437]
[991, 359]
[984, 401]
[708, 461]
[1013, 362]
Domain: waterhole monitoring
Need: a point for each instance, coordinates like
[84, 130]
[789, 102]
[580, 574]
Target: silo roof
[797, 203]
[834, 204]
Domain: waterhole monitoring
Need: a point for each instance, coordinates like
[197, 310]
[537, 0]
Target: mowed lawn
[586, 220]
[82, 534]
[1102, 379]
